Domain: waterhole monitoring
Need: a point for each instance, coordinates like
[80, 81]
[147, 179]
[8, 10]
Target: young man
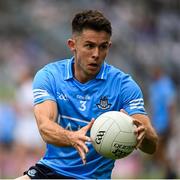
[70, 93]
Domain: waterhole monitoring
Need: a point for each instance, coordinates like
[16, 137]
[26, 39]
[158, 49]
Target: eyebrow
[106, 42]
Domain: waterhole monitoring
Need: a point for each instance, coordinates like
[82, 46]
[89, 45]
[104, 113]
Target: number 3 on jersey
[82, 105]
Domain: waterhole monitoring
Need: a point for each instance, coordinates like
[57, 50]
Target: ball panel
[111, 134]
[126, 137]
[97, 125]
[99, 131]
[121, 120]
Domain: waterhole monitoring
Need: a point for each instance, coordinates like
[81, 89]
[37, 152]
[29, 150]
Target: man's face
[90, 49]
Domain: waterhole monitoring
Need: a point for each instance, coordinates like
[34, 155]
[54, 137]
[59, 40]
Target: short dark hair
[91, 19]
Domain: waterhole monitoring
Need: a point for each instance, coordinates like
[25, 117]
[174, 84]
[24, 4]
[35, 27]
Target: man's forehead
[89, 35]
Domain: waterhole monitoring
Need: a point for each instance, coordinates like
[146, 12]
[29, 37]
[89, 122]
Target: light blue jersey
[162, 96]
[77, 104]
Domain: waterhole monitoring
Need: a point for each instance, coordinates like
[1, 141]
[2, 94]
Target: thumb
[123, 111]
[136, 122]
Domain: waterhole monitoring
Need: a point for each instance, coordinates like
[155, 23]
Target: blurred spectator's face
[90, 49]
[156, 72]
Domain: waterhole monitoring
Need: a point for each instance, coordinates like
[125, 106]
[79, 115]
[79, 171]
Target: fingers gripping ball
[113, 135]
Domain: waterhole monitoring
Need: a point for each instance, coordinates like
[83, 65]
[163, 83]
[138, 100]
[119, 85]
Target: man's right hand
[78, 140]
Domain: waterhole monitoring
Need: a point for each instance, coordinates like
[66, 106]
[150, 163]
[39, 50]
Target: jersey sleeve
[42, 87]
[132, 97]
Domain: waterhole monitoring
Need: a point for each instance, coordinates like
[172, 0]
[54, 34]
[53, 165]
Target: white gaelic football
[113, 135]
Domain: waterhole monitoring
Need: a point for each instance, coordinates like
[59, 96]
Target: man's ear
[71, 44]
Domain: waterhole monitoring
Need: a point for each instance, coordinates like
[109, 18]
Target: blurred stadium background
[146, 34]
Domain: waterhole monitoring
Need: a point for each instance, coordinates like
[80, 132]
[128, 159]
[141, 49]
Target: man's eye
[89, 46]
[104, 46]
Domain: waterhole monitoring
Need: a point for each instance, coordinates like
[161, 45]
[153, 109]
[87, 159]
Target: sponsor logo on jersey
[103, 103]
[84, 98]
[62, 96]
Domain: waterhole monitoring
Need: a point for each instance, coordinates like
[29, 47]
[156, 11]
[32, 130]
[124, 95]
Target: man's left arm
[147, 138]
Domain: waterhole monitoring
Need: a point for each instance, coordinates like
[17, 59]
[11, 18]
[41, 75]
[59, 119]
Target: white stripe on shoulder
[34, 90]
[137, 107]
[37, 92]
[136, 100]
[40, 96]
[136, 104]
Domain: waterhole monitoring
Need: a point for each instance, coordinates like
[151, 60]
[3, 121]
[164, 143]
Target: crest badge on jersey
[103, 104]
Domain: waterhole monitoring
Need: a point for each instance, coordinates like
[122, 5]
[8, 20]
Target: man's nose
[96, 52]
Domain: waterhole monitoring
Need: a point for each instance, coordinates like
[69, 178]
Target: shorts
[40, 171]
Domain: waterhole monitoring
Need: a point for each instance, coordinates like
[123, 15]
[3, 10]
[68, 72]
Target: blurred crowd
[146, 44]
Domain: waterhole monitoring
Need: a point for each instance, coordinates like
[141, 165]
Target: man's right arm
[46, 114]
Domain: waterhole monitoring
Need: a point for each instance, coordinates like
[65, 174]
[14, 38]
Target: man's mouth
[93, 66]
